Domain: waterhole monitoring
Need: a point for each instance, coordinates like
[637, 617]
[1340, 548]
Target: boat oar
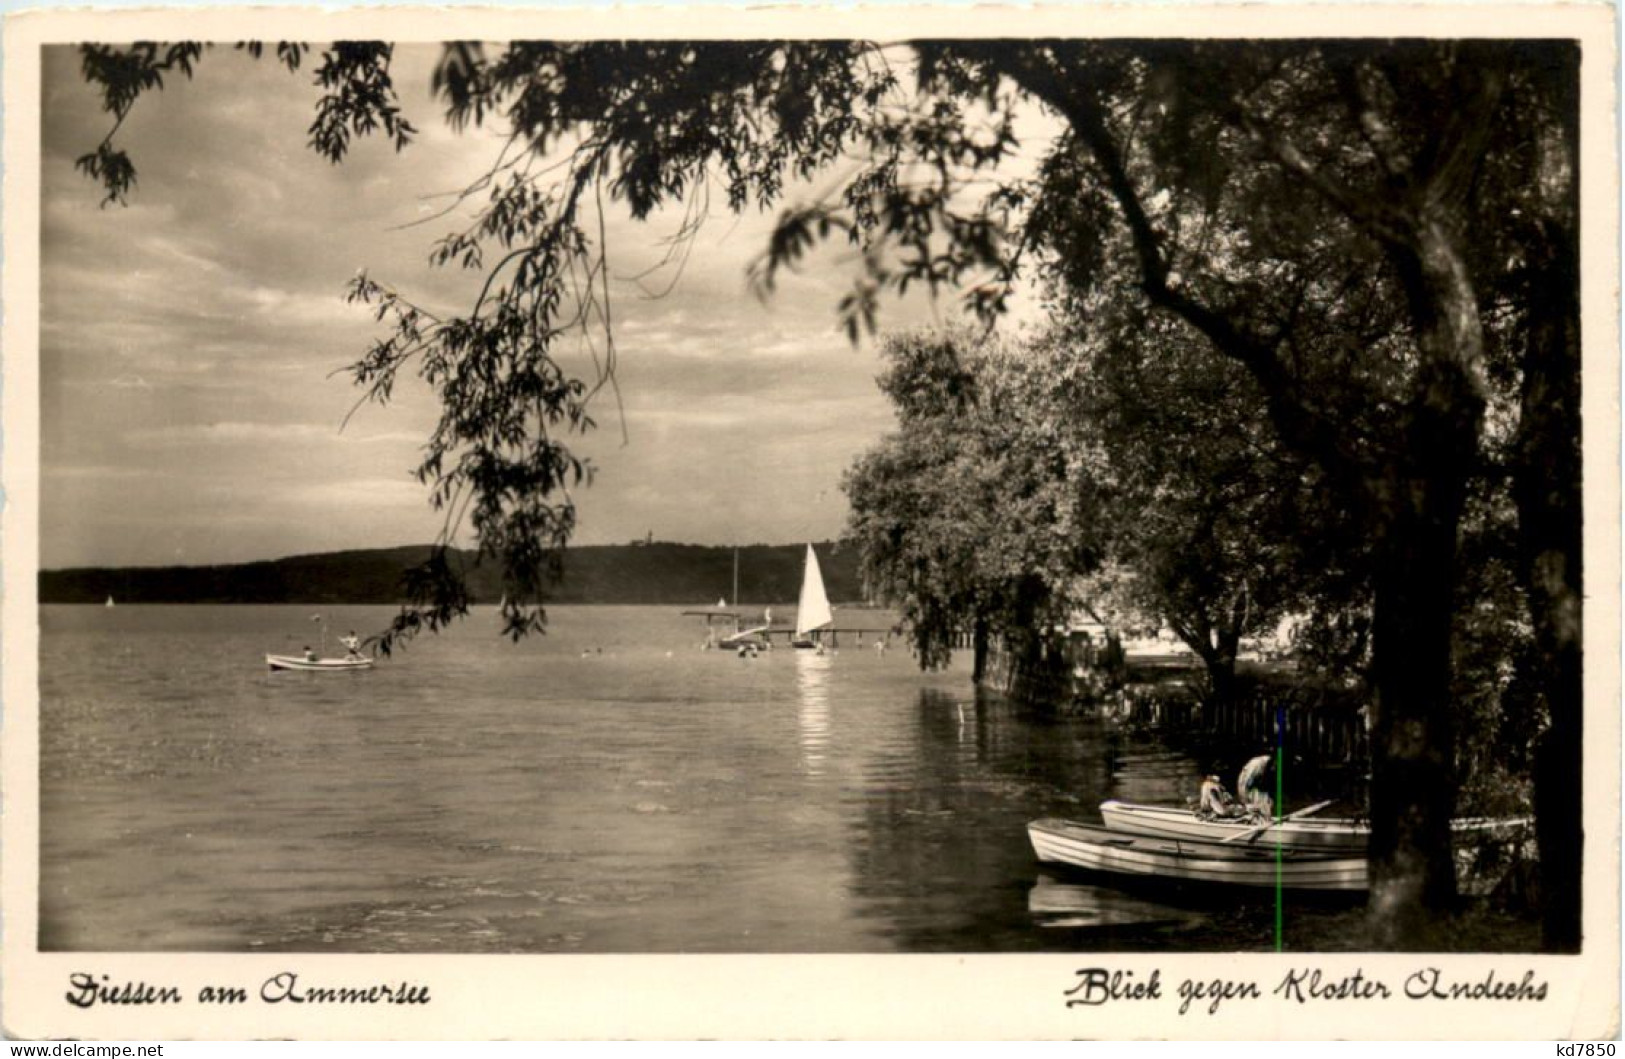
[1317, 807]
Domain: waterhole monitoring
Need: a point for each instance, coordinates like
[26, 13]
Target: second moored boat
[1306, 834]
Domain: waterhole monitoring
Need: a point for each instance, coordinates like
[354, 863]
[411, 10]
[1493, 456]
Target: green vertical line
[1280, 784]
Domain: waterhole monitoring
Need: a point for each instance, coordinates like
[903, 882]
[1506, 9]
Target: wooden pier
[855, 626]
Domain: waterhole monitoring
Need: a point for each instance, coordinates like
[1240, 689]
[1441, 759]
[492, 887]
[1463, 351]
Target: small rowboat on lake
[1310, 834]
[319, 665]
[1179, 860]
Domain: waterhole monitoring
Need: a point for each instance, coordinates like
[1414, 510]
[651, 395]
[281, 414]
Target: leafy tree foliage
[1223, 531]
[1381, 234]
[1115, 459]
[974, 517]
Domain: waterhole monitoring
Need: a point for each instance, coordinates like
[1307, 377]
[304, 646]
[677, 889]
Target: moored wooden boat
[1178, 860]
[1311, 834]
[320, 665]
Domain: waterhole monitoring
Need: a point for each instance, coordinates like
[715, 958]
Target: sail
[813, 610]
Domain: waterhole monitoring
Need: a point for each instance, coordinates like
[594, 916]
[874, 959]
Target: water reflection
[812, 709]
[1153, 774]
[941, 859]
[1054, 903]
[981, 767]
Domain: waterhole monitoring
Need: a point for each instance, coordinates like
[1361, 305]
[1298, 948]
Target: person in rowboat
[352, 645]
[310, 656]
[1214, 802]
[1252, 785]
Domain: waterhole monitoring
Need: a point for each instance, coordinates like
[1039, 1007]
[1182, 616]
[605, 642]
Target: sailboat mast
[736, 577]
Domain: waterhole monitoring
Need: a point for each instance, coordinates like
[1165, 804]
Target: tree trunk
[1217, 647]
[1559, 803]
[1412, 734]
[979, 648]
[1219, 662]
[1547, 488]
[1417, 503]
[1221, 679]
[1222, 669]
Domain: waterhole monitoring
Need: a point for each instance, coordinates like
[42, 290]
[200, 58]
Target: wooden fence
[1320, 725]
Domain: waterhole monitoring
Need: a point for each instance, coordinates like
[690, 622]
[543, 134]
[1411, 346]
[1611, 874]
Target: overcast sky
[190, 340]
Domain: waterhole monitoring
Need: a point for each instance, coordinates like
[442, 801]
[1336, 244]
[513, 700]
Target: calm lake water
[607, 788]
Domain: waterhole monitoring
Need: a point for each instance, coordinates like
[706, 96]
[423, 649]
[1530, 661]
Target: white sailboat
[812, 612]
[109, 601]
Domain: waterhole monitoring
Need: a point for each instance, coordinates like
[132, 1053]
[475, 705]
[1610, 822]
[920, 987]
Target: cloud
[189, 340]
[259, 433]
[322, 496]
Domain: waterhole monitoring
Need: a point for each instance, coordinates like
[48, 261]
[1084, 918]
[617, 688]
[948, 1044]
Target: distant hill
[683, 574]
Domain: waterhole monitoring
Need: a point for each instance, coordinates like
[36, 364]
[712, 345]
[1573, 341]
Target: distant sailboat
[109, 601]
[812, 612]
